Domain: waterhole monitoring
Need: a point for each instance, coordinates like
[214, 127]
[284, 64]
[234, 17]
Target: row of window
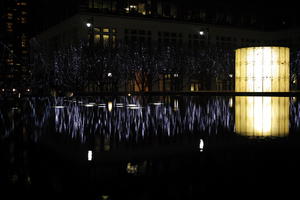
[137, 32]
[112, 6]
[224, 40]
[105, 36]
[162, 34]
[104, 30]
[169, 34]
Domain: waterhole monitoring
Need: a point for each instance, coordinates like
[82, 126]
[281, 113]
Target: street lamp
[88, 24]
[201, 33]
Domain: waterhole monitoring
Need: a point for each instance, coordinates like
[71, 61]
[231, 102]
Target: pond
[149, 147]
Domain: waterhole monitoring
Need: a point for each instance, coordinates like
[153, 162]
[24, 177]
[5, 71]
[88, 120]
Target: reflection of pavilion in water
[262, 116]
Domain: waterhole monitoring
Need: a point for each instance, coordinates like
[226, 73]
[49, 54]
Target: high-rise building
[14, 45]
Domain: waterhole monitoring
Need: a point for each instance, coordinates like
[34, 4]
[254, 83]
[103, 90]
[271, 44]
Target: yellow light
[262, 69]
[97, 38]
[132, 169]
[105, 40]
[262, 116]
[192, 87]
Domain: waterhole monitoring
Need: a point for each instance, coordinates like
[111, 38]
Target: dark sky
[269, 11]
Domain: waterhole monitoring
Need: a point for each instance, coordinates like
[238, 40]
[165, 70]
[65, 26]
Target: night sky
[44, 12]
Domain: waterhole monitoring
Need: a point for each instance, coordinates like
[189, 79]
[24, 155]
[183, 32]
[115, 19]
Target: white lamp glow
[90, 155]
[88, 25]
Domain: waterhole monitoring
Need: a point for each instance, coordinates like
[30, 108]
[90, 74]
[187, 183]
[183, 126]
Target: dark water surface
[136, 147]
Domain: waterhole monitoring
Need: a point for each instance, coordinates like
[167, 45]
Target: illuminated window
[9, 27]
[23, 43]
[141, 8]
[167, 76]
[97, 30]
[133, 7]
[105, 30]
[97, 38]
[114, 42]
[23, 20]
[194, 87]
[24, 13]
[132, 169]
[9, 16]
[105, 40]
[23, 3]
[10, 61]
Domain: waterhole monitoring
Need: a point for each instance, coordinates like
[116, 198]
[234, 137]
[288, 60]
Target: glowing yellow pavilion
[262, 69]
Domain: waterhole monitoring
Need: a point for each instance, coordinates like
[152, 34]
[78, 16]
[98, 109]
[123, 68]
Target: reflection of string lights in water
[139, 121]
[201, 145]
[110, 106]
[262, 116]
[194, 115]
[90, 155]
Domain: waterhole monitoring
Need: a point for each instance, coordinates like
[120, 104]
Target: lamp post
[89, 24]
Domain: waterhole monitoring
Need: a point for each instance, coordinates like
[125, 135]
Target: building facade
[106, 23]
[14, 70]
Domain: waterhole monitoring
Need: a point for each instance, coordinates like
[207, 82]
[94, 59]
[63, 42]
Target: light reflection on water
[262, 116]
[135, 118]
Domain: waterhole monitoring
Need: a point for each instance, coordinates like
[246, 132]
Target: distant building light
[132, 6]
[176, 75]
[201, 32]
[13, 89]
[109, 74]
[3, 89]
[132, 169]
[88, 25]
[230, 75]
